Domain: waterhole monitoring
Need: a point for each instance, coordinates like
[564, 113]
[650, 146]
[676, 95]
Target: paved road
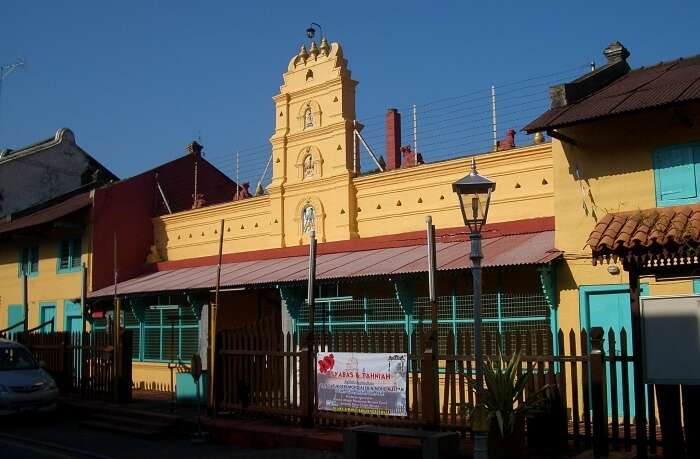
[49, 437]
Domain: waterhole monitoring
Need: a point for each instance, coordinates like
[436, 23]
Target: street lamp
[474, 192]
[311, 31]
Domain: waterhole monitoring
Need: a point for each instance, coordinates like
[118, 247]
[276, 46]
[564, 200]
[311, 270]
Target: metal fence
[501, 313]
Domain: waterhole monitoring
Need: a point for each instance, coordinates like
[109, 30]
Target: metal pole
[312, 280]
[354, 147]
[116, 328]
[310, 367]
[238, 169]
[196, 174]
[431, 275]
[415, 129]
[25, 295]
[493, 117]
[212, 328]
[638, 375]
[480, 448]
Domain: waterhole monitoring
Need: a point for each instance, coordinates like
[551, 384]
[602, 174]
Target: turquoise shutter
[674, 170]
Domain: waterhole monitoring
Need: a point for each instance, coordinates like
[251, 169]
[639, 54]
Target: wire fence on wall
[501, 313]
[446, 128]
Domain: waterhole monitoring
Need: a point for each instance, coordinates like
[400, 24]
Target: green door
[15, 315]
[72, 320]
[608, 306]
[48, 313]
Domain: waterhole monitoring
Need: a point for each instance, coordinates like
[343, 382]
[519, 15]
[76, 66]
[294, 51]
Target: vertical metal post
[493, 117]
[211, 365]
[480, 448]
[639, 398]
[196, 176]
[431, 276]
[599, 394]
[499, 302]
[355, 162]
[83, 329]
[116, 328]
[310, 367]
[238, 169]
[25, 295]
[415, 129]
[429, 371]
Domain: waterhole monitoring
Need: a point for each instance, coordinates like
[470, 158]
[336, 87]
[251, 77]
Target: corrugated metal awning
[509, 250]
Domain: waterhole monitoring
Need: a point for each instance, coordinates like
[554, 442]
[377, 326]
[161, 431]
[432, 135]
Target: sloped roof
[647, 235]
[47, 214]
[379, 258]
[667, 83]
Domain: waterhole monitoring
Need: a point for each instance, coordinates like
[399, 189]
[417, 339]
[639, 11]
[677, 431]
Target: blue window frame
[160, 333]
[676, 173]
[69, 252]
[29, 261]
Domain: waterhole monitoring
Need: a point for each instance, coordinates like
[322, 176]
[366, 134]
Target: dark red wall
[125, 208]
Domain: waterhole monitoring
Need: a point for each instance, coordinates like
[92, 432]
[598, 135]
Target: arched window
[308, 118]
[310, 75]
[308, 165]
[308, 219]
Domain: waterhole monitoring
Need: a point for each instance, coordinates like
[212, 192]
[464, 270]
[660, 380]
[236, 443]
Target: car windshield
[16, 358]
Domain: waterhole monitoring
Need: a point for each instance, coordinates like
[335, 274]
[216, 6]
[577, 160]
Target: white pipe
[415, 129]
[493, 114]
[355, 162]
[369, 150]
[162, 195]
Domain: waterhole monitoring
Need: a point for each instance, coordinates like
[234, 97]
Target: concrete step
[151, 425]
[136, 421]
[125, 429]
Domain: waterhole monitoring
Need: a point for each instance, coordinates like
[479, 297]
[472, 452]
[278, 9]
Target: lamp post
[474, 193]
[311, 31]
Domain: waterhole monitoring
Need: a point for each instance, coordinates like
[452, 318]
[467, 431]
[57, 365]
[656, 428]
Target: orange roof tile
[665, 232]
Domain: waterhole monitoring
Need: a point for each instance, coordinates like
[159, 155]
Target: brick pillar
[393, 139]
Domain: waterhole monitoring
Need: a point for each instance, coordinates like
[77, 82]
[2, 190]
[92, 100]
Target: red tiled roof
[48, 214]
[641, 89]
[666, 232]
[380, 258]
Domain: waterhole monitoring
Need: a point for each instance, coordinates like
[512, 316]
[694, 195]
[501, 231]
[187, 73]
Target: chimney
[617, 66]
[393, 139]
[194, 149]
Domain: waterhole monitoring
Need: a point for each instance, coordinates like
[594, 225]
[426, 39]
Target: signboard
[362, 383]
[671, 339]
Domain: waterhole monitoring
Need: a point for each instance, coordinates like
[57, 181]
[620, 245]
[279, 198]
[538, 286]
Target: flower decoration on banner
[326, 363]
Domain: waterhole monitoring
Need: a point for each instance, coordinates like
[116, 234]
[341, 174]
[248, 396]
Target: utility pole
[5, 71]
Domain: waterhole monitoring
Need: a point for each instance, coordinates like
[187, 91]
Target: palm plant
[504, 391]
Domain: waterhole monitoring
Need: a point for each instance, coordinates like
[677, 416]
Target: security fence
[501, 313]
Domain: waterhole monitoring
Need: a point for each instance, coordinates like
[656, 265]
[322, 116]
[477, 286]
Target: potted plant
[505, 385]
[546, 423]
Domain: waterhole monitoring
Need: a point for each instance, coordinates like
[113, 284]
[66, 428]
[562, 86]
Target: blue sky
[138, 80]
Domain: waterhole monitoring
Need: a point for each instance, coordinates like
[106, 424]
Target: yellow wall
[347, 206]
[48, 286]
[613, 161]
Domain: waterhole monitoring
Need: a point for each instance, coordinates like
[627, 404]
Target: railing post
[429, 383]
[66, 364]
[599, 394]
[429, 371]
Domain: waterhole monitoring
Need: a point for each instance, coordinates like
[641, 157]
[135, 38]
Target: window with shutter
[29, 261]
[676, 171]
[69, 253]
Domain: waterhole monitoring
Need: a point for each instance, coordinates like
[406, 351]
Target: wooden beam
[555, 134]
[639, 389]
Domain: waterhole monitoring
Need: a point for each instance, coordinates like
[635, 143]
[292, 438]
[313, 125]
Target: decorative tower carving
[314, 112]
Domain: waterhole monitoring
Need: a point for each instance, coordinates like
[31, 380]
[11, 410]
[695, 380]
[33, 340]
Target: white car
[24, 385]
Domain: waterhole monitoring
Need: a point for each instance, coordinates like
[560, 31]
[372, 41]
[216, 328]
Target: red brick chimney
[393, 139]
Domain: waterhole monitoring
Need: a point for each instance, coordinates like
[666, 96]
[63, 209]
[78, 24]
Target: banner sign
[362, 383]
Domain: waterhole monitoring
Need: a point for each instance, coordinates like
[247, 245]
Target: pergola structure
[664, 243]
